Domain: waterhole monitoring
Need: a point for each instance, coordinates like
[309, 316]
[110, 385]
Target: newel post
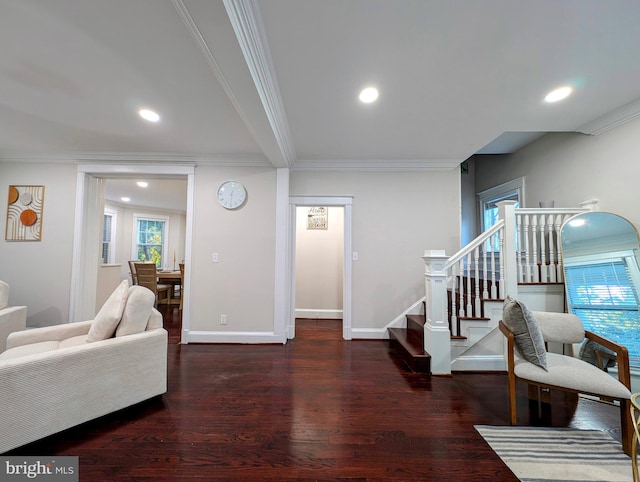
[509, 275]
[437, 337]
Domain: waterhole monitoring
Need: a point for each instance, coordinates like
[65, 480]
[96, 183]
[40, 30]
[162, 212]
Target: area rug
[554, 454]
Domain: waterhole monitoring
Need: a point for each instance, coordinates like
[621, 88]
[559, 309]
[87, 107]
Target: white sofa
[12, 318]
[56, 377]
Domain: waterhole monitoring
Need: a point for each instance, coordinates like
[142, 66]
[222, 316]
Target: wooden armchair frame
[541, 391]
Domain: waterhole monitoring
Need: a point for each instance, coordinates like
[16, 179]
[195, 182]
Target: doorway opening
[319, 275]
[89, 244]
[320, 265]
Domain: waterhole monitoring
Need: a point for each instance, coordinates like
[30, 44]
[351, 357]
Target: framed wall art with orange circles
[24, 213]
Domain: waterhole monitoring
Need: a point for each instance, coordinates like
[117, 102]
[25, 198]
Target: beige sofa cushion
[4, 294]
[42, 347]
[31, 349]
[140, 301]
[73, 341]
[106, 321]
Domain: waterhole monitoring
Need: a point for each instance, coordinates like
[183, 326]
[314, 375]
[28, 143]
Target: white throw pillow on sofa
[137, 311]
[106, 321]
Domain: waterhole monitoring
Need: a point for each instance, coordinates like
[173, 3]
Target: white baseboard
[369, 333]
[232, 337]
[475, 363]
[319, 314]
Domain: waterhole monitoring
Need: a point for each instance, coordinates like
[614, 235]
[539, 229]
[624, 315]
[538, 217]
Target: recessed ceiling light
[149, 115]
[558, 94]
[368, 95]
[142, 183]
[125, 199]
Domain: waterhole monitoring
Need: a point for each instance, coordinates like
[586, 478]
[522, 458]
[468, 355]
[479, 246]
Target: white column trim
[282, 256]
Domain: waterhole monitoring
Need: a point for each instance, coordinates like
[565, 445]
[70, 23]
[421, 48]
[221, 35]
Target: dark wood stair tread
[410, 349]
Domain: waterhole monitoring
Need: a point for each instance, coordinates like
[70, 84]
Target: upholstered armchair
[528, 334]
[12, 318]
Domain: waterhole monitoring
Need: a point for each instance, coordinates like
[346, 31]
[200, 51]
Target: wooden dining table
[172, 278]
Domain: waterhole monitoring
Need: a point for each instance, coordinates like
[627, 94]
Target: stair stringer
[400, 321]
[483, 349]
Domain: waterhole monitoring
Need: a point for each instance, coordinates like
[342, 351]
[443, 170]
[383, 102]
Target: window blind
[602, 295]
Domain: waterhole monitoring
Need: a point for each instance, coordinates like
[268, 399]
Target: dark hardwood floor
[317, 408]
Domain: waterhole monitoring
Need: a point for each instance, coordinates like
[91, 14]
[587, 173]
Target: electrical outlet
[223, 319]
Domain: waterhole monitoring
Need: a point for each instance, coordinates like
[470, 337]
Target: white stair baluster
[494, 245]
[553, 252]
[534, 250]
[477, 307]
[519, 250]
[501, 262]
[454, 304]
[485, 278]
[527, 252]
[469, 307]
[461, 288]
[544, 276]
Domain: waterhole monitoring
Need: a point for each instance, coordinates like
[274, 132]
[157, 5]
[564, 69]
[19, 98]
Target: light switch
[215, 257]
[355, 256]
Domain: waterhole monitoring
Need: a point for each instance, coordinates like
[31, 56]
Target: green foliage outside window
[150, 240]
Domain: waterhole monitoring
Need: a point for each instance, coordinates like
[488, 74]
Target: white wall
[241, 285]
[396, 216]
[570, 168]
[39, 272]
[319, 265]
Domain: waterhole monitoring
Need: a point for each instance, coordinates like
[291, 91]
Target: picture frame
[318, 218]
[25, 205]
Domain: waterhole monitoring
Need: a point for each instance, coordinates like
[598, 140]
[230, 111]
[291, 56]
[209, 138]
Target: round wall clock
[231, 194]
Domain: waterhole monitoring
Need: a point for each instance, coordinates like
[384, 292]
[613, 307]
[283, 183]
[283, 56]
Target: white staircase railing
[523, 247]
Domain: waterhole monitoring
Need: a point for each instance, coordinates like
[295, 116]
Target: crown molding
[388, 165]
[136, 158]
[247, 23]
[612, 120]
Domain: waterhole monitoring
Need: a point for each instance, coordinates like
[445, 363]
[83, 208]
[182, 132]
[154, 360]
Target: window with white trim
[487, 201]
[109, 236]
[150, 238]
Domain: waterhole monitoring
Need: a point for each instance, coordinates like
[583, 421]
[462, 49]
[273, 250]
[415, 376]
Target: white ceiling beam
[246, 21]
[252, 114]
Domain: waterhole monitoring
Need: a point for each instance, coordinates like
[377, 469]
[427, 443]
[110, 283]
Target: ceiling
[275, 82]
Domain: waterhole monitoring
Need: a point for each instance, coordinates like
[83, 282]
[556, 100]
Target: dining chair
[132, 271]
[181, 284]
[147, 276]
